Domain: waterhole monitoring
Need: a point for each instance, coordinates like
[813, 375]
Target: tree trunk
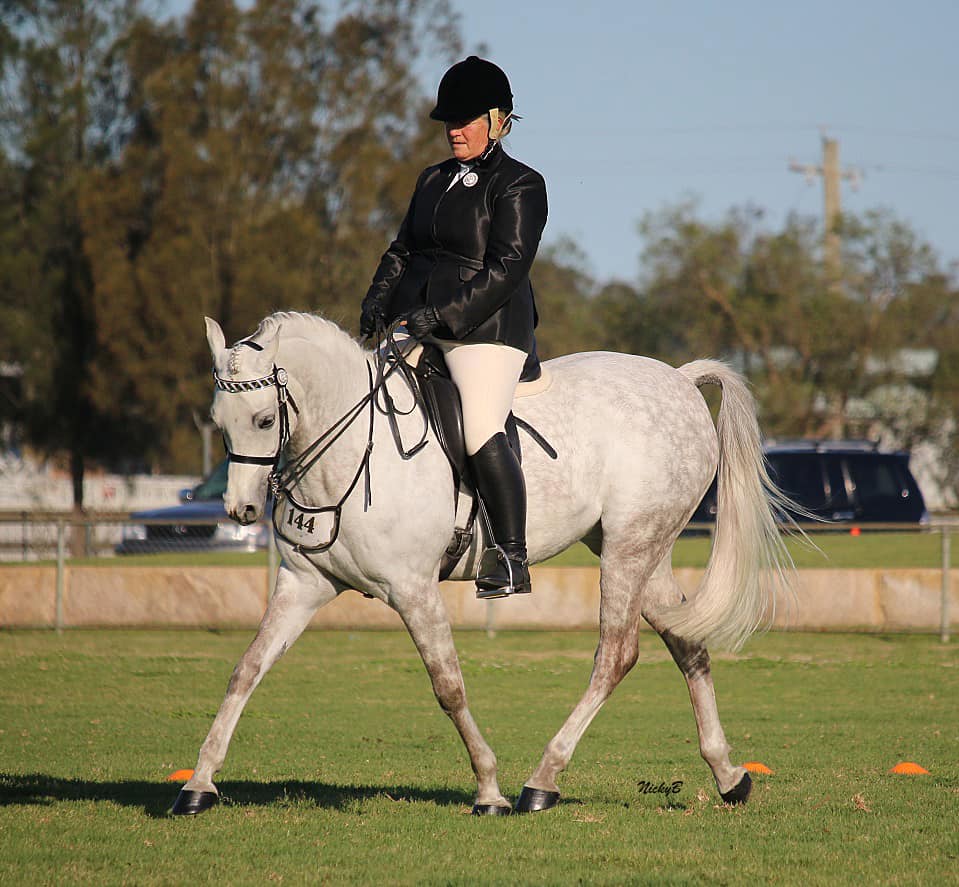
[78, 535]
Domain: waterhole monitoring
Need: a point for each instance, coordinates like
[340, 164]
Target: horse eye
[266, 421]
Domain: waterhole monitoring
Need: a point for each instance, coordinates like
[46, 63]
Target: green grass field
[829, 550]
[835, 549]
[343, 769]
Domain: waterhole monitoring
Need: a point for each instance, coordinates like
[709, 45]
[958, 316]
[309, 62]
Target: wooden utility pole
[832, 201]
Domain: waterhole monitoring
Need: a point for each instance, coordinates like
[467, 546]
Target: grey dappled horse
[637, 449]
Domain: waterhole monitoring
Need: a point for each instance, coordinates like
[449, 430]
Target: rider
[458, 271]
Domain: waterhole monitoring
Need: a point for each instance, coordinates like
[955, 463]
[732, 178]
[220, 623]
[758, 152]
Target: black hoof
[189, 802]
[491, 810]
[739, 793]
[534, 799]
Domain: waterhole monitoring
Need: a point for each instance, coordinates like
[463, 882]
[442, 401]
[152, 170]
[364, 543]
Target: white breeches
[486, 375]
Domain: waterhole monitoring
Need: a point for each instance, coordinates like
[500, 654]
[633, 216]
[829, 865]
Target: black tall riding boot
[500, 483]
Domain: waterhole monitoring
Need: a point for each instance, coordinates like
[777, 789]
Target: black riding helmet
[470, 88]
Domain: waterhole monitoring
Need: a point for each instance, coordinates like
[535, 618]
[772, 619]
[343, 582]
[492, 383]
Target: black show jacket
[467, 251]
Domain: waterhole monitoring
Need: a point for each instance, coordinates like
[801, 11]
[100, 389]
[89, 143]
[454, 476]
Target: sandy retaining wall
[564, 597]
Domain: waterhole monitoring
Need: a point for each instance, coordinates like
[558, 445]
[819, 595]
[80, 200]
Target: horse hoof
[491, 810]
[189, 802]
[533, 800]
[739, 793]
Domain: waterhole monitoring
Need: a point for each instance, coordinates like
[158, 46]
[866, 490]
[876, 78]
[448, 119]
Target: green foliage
[244, 158]
[344, 769]
[233, 162]
[871, 355]
[56, 126]
[264, 174]
[563, 289]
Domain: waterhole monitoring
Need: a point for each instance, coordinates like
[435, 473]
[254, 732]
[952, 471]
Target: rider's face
[468, 139]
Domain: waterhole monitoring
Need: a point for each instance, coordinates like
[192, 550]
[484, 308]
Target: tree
[56, 126]
[232, 162]
[563, 291]
[275, 153]
[910, 332]
[826, 359]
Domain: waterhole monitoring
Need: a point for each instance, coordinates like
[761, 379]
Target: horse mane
[301, 325]
[298, 325]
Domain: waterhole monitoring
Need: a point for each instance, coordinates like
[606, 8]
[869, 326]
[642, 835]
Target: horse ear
[270, 347]
[215, 337]
[268, 336]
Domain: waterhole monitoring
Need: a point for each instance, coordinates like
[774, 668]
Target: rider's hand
[372, 315]
[422, 321]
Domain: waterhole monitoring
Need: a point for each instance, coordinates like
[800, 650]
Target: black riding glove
[372, 315]
[422, 321]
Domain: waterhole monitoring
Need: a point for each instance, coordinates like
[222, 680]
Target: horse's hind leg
[734, 783]
[296, 599]
[425, 617]
[622, 581]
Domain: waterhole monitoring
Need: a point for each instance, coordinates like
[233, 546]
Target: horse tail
[749, 565]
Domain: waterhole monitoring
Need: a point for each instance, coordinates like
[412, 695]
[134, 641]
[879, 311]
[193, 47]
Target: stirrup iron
[490, 562]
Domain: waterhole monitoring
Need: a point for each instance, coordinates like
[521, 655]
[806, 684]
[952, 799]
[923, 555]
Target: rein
[282, 481]
[389, 359]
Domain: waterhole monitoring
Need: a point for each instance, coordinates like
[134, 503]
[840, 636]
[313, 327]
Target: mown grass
[343, 769]
[834, 549]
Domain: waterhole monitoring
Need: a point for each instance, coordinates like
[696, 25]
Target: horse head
[250, 409]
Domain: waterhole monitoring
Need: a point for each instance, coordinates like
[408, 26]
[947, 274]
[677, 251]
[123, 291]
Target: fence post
[61, 569]
[944, 599]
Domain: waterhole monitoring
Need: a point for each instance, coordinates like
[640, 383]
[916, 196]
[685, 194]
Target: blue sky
[633, 105]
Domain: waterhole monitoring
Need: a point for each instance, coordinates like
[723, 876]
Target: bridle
[278, 379]
[282, 481]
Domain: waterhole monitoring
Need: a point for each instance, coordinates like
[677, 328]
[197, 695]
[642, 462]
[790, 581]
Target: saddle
[445, 413]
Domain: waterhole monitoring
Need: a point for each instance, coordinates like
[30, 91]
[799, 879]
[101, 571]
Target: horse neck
[327, 380]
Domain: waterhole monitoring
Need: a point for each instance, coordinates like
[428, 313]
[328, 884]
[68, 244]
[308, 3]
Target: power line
[901, 134]
[914, 170]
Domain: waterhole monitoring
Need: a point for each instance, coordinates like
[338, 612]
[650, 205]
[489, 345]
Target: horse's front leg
[424, 615]
[299, 593]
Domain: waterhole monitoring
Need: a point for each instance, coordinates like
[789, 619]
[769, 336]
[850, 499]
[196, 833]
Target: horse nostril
[246, 514]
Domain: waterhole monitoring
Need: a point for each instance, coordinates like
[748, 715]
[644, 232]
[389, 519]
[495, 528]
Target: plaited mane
[290, 325]
[298, 324]
[233, 363]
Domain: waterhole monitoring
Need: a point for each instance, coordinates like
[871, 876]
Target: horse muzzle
[244, 514]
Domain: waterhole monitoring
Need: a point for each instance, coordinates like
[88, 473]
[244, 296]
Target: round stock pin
[470, 179]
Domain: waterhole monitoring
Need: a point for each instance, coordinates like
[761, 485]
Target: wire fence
[61, 539]
[27, 537]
